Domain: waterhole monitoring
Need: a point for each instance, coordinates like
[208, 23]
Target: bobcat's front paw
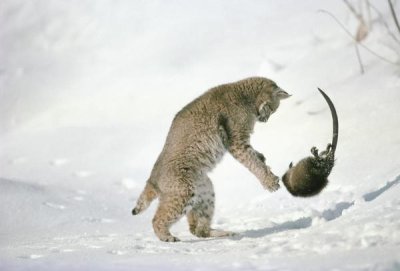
[271, 183]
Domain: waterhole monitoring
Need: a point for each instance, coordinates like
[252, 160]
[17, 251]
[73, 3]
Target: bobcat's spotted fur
[220, 120]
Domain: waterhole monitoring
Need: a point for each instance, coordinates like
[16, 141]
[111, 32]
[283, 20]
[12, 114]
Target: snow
[88, 90]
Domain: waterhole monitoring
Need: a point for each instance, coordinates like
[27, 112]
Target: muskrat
[310, 175]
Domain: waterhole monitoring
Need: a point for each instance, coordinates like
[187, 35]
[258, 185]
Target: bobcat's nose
[282, 94]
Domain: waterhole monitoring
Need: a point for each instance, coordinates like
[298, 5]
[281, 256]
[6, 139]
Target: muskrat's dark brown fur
[310, 175]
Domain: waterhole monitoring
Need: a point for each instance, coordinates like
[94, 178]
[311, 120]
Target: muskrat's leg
[314, 152]
[327, 151]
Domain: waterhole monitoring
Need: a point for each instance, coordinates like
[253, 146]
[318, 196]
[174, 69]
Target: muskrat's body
[310, 175]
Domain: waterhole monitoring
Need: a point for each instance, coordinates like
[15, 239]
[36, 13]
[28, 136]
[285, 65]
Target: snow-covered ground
[87, 93]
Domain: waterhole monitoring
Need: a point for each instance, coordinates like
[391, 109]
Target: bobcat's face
[269, 101]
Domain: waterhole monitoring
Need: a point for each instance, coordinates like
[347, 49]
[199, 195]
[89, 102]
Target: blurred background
[70, 63]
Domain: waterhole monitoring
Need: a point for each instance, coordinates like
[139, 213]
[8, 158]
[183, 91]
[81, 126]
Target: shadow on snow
[328, 215]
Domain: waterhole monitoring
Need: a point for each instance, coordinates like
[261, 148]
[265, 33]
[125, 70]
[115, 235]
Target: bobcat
[220, 120]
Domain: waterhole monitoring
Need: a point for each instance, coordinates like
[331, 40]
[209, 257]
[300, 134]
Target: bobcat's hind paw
[170, 239]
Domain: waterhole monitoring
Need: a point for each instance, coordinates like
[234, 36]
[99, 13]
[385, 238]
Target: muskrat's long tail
[335, 121]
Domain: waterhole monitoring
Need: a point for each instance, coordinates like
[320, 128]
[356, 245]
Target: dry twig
[383, 21]
[353, 38]
[394, 15]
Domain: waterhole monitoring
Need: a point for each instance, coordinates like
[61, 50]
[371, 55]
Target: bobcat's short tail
[148, 195]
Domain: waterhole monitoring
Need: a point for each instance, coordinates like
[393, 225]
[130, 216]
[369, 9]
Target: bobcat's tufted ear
[281, 94]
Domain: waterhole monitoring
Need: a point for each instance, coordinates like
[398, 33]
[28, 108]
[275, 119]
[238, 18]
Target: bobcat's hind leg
[200, 225]
[201, 214]
[170, 209]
